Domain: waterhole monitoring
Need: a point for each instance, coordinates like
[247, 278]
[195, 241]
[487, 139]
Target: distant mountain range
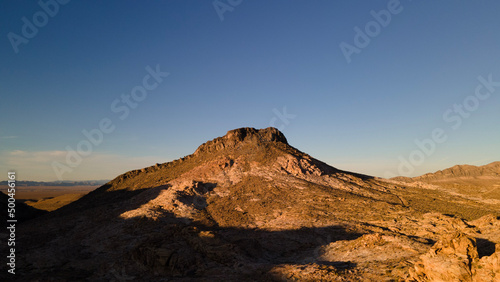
[59, 183]
[492, 169]
[477, 183]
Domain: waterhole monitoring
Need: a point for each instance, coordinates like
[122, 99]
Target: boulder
[455, 258]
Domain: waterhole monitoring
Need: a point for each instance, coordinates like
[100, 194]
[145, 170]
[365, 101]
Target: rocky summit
[249, 207]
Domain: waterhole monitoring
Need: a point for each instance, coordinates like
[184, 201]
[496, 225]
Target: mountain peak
[236, 137]
[270, 134]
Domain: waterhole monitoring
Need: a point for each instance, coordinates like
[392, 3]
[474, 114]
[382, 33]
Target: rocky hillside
[248, 206]
[477, 183]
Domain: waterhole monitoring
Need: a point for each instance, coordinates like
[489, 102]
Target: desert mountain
[249, 207]
[492, 169]
[478, 183]
[460, 171]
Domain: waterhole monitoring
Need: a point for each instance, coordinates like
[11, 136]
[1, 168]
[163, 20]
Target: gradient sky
[240, 70]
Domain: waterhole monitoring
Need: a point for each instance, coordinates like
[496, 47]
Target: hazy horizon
[375, 87]
[109, 179]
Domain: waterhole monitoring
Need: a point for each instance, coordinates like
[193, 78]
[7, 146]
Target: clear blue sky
[231, 69]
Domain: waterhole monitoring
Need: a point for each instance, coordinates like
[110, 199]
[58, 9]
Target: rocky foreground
[249, 207]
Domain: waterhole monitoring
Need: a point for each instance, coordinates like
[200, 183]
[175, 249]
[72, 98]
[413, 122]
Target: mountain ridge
[464, 170]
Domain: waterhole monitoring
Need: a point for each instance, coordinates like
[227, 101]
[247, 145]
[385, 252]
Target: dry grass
[427, 200]
[481, 187]
[51, 204]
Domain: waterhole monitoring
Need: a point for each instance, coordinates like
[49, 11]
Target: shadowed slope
[22, 213]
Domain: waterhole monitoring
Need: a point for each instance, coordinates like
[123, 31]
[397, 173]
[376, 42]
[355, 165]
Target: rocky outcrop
[236, 137]
[488, 267]
[455, 258]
